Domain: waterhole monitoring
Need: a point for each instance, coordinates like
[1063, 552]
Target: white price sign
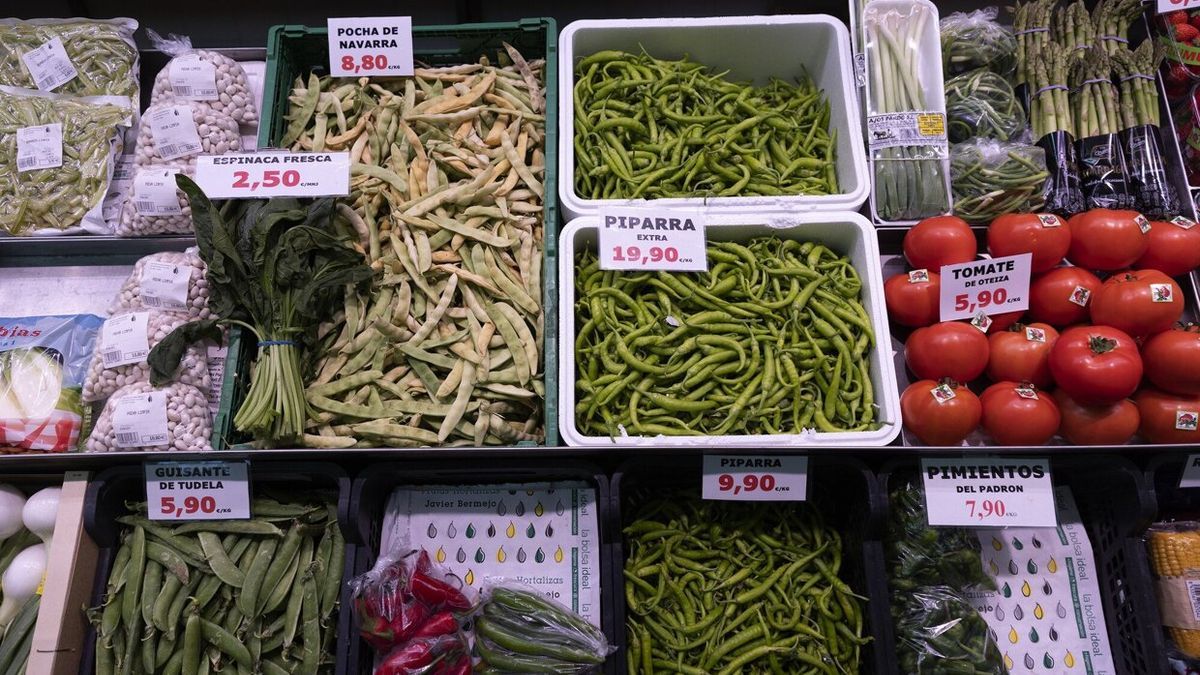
[1165, 6]
[274, 174]
[993, 286]
[1191, 473]
[210, 490]
[378, 45]
[755, 478]
[989, 492]
[652, 239]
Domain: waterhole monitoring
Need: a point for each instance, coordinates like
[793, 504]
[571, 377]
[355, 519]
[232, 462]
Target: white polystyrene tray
[844, 232]
[751, 48]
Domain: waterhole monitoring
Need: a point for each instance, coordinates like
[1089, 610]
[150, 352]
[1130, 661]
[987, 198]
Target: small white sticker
[918, 276]
[49, 65]
[123, 339]
[981, 321]
[39, 147]
[217, 354]
[1184, 222]
[210, 490]
[362, 46]
[174, 131]
[1142, 223]
[193, 78]
[653, 239]
[942, 393]
[1162, 293]
[1049, 220]
[154, 193]
[164, 285]
[860, 69]
[992, 492]
[140, 420]
[1193, 591]
[1080, 296]
[1026, 392]
[1187, 420]
[1035, 334]
[755, 478]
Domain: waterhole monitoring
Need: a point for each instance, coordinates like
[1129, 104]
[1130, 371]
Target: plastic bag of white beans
[202, 75]
[139, 418]
[172, 281]
[126, 340]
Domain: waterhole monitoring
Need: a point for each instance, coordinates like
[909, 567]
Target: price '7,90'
[366, 62]
[270, 178]
[750, 483]
[986, 508]
[190, 506]
[985, 298]
[655, 254]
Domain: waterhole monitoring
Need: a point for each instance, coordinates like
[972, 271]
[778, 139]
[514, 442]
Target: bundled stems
[1112, 19]
[1050, 109]
[1134, 70]
[1095, 97]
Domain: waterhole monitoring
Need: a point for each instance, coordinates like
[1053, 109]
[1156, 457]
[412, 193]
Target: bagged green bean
[973, 40]
[991, 178]
[80, 57]
[61, 151]
[981, 104]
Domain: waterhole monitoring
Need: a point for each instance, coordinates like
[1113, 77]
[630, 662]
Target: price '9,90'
[749, 483]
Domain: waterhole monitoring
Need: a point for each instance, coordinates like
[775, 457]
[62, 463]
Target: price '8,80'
[655, 254]
[367, 62]
[985, 298]
[191, 505]
[270, 178]
[750, 483]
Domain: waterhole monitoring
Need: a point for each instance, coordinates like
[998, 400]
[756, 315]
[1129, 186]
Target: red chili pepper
[460, 665]
[407, 659]
[409, 617]
[433, 591]
[442, 623]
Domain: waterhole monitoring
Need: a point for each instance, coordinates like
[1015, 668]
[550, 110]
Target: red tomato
[1096, 365]
[1174, 247]
[1002, 322]
[1060, 297]
[1044, 235]
[1017, 414]
[1022, 354]
[1167, 418]
[955, 350]
[1141, 303]
[912, 300]
[1172, 360]
[937, 241]
[1112, 424]
[1105, 239]
[938, 419]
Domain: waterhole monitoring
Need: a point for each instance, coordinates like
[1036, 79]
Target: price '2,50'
[270, 178]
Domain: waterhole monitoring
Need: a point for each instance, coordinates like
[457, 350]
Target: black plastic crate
[1115, 506]
[373, 485]
[842, 488]
[109, 492]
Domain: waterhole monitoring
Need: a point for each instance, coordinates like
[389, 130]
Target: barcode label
[168, 151]
[144, 208]
[124, 339]
[174, 131]
[111, 356]
[151, 301]
[24, 163]
[182, 90]
[193, 78]
[141, 420]
[165, 285]
[49, 65]
[128, 439]
[39, 147]
[1193, 588]
[154, 192]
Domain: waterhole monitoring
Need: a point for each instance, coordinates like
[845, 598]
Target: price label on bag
[208, 490]
[256, 175]
[992, 286]
[755, 478]
[373, 46]
[992, 492]
[652, 239]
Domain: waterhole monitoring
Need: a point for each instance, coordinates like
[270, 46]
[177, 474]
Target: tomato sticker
[1142, 223]
[981, 321]
[918, 276]
[1049, 220]
[1026, 392]
[1035, 334]
[1184, 222]
[1186, 420]
[1162, 293]
[942, 393]
[1080, 296]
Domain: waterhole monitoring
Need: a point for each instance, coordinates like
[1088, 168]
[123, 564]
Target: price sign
[652, 239]
[1191, 473]
[370, 46]
[755, 478]
[989, 492]
[210, 490]
[274, 174]
[1165, 6]
[992, 286]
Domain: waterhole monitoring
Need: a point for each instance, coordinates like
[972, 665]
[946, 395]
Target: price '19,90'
[983, 299]
[655, 254]
[749, 483]
[367, 62]
[190, 506]
[270, 178]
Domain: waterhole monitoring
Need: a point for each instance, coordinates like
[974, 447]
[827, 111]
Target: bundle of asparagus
[1112, 19]
[1094, 100]
[1139, 108]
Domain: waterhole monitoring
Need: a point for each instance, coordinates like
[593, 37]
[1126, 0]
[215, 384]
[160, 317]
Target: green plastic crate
[297, 50]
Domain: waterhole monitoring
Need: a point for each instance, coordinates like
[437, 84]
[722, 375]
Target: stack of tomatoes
[1099, 356]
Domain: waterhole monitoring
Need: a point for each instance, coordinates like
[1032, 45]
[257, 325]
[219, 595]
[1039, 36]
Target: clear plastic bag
[975, 39]
[519, 625]
[65, 199]
[43, 360]
[202, 75]
[1174, 549]
[125, 336]
[938, 631]
[145, 213]
[170, 281]
[991, 178]
[184, 421]
[982, 104]
[102, 52]
[440, 655]
[920, 555]
[405, 597]
[217, 134]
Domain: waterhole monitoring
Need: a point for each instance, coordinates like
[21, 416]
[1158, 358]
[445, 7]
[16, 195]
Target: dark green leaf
[164, 358]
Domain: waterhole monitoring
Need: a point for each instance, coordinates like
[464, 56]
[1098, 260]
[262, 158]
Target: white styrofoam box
[929, 55]
[846, 233]
[751, 48]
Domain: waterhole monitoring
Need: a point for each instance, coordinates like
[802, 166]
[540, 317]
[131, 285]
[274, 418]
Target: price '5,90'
[963, 302]
[749, 483]
[191, 506]
[269, 179]
[365, 63]
[655, 254]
